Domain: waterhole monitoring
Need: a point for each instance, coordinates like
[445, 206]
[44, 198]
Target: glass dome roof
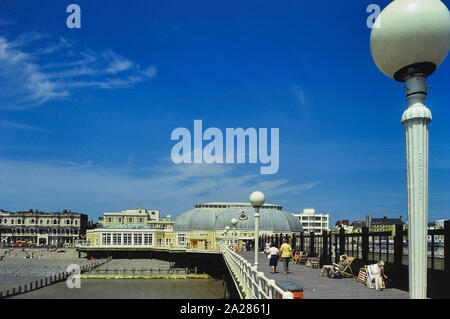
[272, 218]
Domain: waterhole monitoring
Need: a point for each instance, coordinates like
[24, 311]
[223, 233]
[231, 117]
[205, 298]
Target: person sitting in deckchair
[330, 270]
[296, 258]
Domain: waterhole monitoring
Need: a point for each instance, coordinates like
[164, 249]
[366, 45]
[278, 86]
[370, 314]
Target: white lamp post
[226, 231]
[257, 199]
[412, 40]
[234, 222]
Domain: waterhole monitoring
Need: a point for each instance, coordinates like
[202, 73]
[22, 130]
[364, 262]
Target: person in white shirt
[274, 254]
[380, 276]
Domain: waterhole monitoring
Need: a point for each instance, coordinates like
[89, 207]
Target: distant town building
[357, 225]
[38, 228]
[345, 224]
[437, 224]
[132, 227]
[92, 225]
[140, 216]
[373, 224]
[382, 224]
[312, 222]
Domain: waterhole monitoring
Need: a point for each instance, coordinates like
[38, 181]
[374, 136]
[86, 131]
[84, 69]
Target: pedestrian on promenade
[286, 254]
[273, 254]
[266, 250]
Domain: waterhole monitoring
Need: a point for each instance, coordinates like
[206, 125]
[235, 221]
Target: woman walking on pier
[273, 253]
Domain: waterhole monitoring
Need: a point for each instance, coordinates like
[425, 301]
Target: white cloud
[22, 83]
[52, 185]
[28, 79]
[116, 63]
[20, 126]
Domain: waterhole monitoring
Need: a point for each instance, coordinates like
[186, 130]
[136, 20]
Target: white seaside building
[313, 222]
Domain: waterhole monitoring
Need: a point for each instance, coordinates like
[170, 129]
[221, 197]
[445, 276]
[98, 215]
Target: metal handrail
[253, 284]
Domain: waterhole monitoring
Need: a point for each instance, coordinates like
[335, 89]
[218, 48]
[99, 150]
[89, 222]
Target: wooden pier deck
[316, 287]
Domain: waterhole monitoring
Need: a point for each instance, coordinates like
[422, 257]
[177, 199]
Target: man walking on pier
[286, 253]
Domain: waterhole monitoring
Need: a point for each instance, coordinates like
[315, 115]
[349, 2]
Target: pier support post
[341, 242]
[336, 249]
[302, 242]
[447, 257]
[365, 245]
[326, 256]
[311, 244]
[398, 245]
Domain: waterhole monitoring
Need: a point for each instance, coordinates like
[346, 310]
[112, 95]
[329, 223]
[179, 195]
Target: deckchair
[313, 262]
[347, 271]
[303, 257]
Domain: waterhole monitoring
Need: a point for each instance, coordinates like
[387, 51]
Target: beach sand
[15, 270]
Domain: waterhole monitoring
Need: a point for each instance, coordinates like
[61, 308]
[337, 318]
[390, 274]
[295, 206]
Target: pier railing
[251, 284]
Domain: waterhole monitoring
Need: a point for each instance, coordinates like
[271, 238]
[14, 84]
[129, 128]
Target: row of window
[314, 218]
[314, 225]
[126, 219]
[127, 239]
[129, 219]
[140, 220]
[38, 221]
[42, 231]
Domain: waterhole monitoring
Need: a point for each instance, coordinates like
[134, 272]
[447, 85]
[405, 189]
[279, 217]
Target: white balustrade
[253, 284]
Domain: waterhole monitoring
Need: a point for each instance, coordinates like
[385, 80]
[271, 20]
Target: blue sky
[86, 114]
